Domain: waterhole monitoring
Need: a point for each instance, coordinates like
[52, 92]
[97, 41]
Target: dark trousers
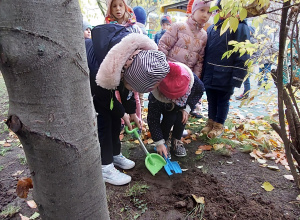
[108, 133]
[218, 104]
[172, 118]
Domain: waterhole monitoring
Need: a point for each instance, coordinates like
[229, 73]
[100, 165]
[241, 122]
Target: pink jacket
[185, 43]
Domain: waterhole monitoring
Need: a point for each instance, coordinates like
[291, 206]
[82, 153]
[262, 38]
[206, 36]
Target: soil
[231, 186]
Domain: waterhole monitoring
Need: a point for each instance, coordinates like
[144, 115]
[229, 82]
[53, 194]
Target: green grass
[9, 211]
[22, 159]
[137, 189]
[1, 168]
[4, 150]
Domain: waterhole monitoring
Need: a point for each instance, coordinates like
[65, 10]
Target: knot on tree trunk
[14, 123]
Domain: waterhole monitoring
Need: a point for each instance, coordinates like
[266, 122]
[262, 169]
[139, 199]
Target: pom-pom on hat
[140, 14]
[165, 19]
[189, 7]
[176, 83]
[197, 4]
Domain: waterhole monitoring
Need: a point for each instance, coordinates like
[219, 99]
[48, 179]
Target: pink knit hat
[199, 4]
[176, 83]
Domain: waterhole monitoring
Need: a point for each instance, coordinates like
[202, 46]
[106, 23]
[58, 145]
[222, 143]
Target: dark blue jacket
[158, 35]
[224, 74]
[104, 37]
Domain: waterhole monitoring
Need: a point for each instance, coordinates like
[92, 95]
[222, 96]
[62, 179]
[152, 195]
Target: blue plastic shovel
[171, 166]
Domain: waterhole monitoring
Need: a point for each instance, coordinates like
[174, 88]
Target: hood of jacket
[109, 73]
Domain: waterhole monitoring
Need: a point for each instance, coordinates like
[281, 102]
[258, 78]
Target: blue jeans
[218, 104]
[247, 85]
[264, 71]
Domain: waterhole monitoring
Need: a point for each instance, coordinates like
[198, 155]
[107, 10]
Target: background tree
[284, 16]
[43, 62]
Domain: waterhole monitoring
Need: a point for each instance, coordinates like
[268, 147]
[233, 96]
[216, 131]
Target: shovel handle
[137, 135]
[134, 131]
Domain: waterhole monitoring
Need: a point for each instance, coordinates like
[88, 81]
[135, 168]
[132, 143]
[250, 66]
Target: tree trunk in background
[43, 61]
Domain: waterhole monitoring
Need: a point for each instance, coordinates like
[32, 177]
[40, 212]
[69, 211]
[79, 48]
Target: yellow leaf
[243, 14]
[150, 141]
[198, 199]
[216, 18]
[225, 26]
[234, 23]
[218, 146]
[136, 141]
[267, 186]
[199, 151]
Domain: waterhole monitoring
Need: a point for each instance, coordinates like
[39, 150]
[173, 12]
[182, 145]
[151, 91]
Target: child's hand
[133, 117]
[185, 116]
[162, 150]
[126, 119]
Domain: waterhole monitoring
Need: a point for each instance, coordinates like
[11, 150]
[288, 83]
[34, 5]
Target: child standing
[174, 98]
[165, 23]
[131, 64]
[118, 12]
[220, 76]
[185, 42]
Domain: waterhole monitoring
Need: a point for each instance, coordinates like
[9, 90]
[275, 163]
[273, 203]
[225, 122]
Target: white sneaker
[113, 176]
[123, 162]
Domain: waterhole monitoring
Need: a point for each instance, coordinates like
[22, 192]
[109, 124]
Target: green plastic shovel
[154, 162]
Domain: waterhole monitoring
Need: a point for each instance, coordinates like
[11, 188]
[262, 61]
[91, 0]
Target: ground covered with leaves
[244, 175]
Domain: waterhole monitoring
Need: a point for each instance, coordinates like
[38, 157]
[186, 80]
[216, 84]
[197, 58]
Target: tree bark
[43, 61]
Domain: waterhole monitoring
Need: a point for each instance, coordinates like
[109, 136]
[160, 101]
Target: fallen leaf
[136, 141]
[198, 199]
[35, 215]
[267, 186]
[261, 161]
[121, 136]
[289, 177]
[199, 167]
[8, 141]
[31, 204]
[198, 151]
[18, 173]
[187, 141]
[218, 146]
[23, 186]
[2, 142]
[150, 141]
[298, 197]
[273, 167]
[205, 147]
[184, 170]
[6, 145]
[23, 217]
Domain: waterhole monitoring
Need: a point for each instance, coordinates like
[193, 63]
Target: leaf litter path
[230, 186]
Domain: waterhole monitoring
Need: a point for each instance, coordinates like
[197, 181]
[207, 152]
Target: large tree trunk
[43, 61]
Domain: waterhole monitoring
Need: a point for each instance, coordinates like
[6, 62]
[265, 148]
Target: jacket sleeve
[168, 40]
[127, 98]
[153, 118]
[199, 65]
[240, 70]
[196, 93]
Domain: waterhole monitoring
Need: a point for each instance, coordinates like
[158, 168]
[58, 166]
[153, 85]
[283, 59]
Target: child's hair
[129, 16]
